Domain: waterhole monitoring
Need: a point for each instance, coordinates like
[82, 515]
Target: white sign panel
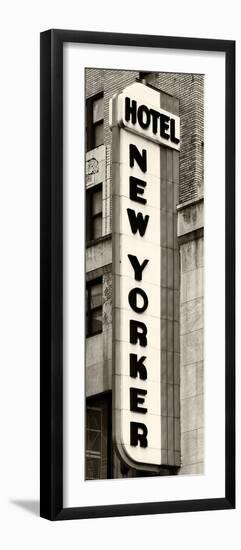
[142, 115]
[138, 127]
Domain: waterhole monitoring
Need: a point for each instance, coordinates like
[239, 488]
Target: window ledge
[94, 333]
[94, 242]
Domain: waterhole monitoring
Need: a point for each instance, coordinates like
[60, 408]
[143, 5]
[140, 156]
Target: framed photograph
[137, 299]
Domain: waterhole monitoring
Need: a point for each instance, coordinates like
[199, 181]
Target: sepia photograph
[138, 314]
[144, 241]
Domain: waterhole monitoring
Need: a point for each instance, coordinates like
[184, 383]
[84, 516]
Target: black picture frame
[51, 324]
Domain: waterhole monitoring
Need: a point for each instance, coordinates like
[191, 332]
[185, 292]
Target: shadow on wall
[31, 506]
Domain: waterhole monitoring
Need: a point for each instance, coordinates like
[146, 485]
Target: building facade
[181, 279]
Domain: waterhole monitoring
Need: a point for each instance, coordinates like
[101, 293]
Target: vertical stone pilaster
[170, 296]
[190, 234]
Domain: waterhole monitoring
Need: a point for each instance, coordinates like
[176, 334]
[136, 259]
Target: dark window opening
[98, 438]
[144, 74]
[95, 121]
[94, 213]
[148, 76]
[94, 302]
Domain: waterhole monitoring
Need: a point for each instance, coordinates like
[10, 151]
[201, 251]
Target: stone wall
[190, 232]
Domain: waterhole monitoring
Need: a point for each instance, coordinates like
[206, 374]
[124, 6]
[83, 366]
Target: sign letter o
[133, 295]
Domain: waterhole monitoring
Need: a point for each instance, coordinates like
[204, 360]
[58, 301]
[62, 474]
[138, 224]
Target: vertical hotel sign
[139, 127]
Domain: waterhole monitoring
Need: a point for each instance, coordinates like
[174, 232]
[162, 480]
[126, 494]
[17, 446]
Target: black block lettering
[136, 188]
[130, 110]
[164, 126]
[138, 434]
[137, 366]
[174, 139]
[155, 117]
[137, 221]
[140, 158]
[133, 296]
[138, 268]
[143, 116]
[138, 332]
[136, 400]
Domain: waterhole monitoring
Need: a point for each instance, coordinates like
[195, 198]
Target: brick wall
[189, 89]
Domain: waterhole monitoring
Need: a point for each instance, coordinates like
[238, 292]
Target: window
[94, 212]
[95, 121]
[98, 434]
[94, 307]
